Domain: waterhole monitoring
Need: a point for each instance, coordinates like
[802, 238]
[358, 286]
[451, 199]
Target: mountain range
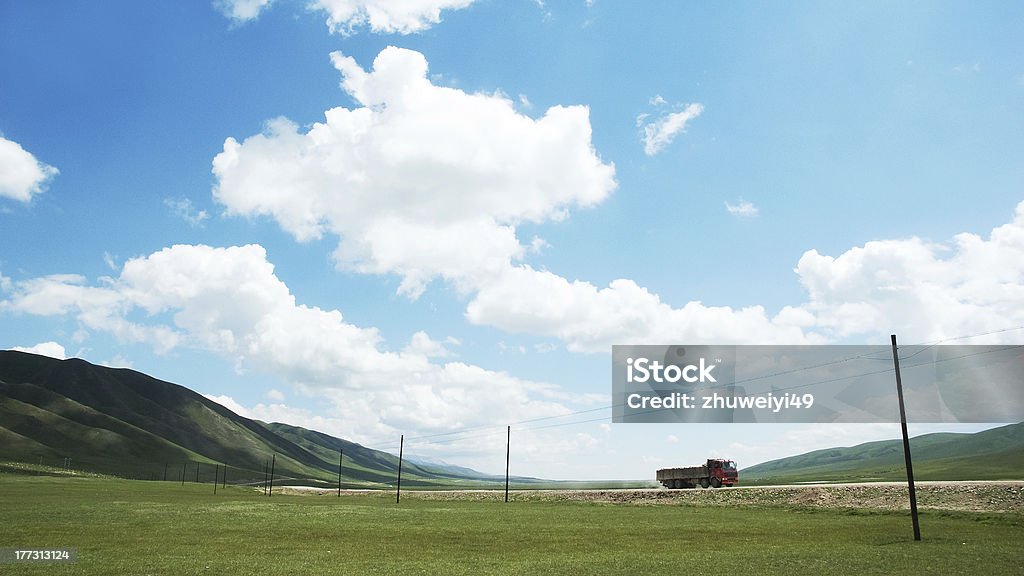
[121, 422]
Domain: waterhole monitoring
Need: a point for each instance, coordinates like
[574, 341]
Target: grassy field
[130, 527]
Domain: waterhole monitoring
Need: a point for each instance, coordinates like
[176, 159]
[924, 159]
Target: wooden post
[216, 477]
[341, 454]
[197, 472]
[508, 445]
[401, 445]
[273, 462]
[224, 481]
[165, 471]
[906, 441]
[184, 466]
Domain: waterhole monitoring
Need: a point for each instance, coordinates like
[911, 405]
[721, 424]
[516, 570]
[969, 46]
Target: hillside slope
[125, 423]
[995, 454]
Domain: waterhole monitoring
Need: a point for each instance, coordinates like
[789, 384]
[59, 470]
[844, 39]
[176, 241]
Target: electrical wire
[496, 429]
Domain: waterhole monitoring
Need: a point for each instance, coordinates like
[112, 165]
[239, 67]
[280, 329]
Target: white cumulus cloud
[22, 176]
[658, 133]
[422, 344]
[51, 349]
[743, 209]
[229, 301]
[924, 291]
[230, 403]
[242, 10]
[421, 180]
[592, 319]
[425, 182]
[184, 208]
[346, 16]
[386, 16]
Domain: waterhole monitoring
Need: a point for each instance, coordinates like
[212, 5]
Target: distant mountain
[125, 423]
[995, 454]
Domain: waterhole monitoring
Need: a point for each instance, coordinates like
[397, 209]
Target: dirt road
[975, 496]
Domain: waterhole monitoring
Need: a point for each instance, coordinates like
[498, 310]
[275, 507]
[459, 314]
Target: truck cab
[724, 470]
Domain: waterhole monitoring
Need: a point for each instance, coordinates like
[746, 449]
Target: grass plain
[135, 527]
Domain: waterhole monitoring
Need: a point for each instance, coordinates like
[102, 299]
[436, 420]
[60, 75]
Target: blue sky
[503, 191]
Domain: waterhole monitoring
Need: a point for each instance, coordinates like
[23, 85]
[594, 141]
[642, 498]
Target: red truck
[715, 473]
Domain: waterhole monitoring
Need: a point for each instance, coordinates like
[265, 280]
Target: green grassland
[132, 527]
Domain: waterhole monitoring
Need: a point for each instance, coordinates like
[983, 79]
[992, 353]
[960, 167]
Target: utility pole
[906, 441]
[273, 462]
[508, 445]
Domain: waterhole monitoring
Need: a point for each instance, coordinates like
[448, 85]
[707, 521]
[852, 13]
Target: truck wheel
[715, 482]
[677, 483]
[704, 483]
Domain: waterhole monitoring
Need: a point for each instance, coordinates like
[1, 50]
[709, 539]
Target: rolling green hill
[995, 454]
[124, 423]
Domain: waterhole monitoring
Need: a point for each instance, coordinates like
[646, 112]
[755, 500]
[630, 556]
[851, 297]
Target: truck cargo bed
[689, 472]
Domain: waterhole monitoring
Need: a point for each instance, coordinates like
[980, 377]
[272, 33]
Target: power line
[498, 428]
[602, 408]
[965, 337]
